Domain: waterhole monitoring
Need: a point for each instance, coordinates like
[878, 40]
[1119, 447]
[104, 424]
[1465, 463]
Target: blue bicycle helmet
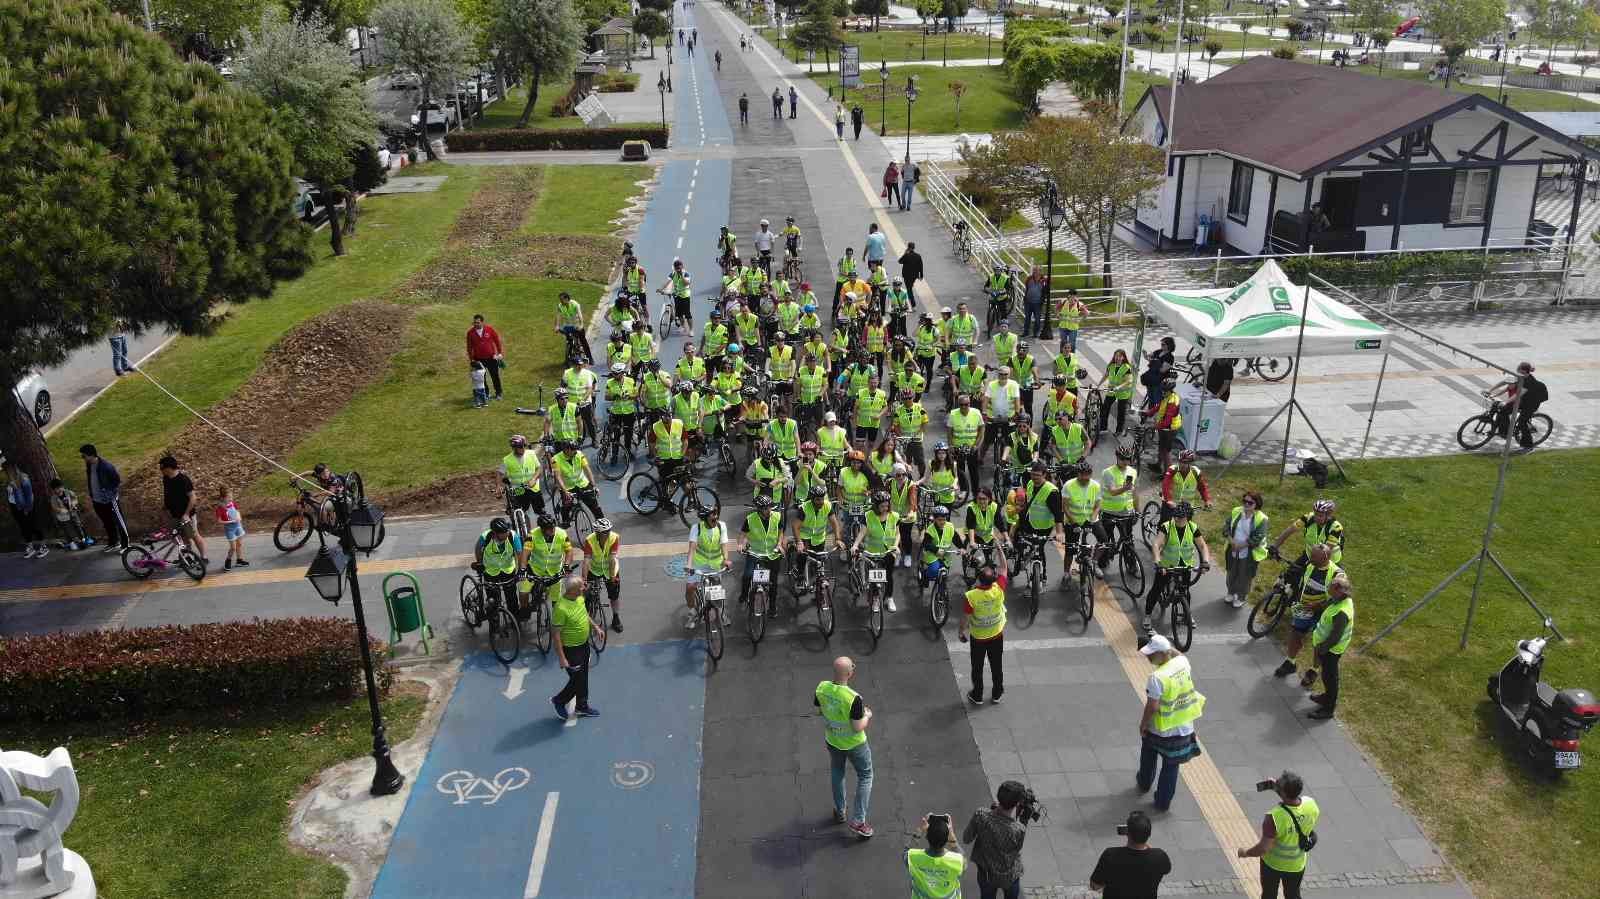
[808, 308]
[733, 348]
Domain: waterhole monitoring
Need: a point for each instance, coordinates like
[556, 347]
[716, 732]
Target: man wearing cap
[984, 619]
[846, 718]
[1166, 727]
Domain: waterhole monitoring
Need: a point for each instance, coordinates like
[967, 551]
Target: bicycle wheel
[665, 328]
[1150, 522]
[875, 619]
[355, 488]
[505, 634]
[1086, 589]
[1539, 427]
[543, 635]
[597, 617]
[644, 493]
[824, 602]
[1132, 568]
[1273, 368]
[612, 457]
[702, 499]
[292, 532]
[725, 459]
[471, 602]
[1265, 615]
[1475, 431]
[1091, 414]
[1182, 624]
[139, 561]
[1030, 607]
[712, 621]
[939, 603]
[755, 614]
[192, 565]
[582, 524]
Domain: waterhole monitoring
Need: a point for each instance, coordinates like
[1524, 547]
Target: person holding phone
[936, 871]
[1288, 834]
[1132, 871]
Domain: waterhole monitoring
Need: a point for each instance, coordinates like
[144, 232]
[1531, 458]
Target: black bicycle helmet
[762, 502]
[546, 520]
[941, 512]
[818, 491]
[1183, 510]
[499, 526]
[565, 445]
[1124, 453]
[1083, 467]
[749, 393]
[880, 497]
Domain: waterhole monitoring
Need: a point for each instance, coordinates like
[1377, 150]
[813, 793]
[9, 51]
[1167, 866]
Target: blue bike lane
[514, 803]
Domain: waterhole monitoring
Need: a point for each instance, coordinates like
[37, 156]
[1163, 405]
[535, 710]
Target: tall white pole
[1172, 120]
[148, 24]
[1122, 73]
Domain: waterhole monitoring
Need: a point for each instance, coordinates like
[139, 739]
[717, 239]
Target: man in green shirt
[570, 620]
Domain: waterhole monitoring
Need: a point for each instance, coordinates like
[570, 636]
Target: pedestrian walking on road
[570, 619]
[908, 180]
[838, 120]
[911, 267]
[105, 491]
[718, 56]
[891, 183]
[1247, 545]
[741, 43]
[1329, 641]
[777, 104]
[858, 117]
[794, 101]
[1166, 728]
[232, 529]
[1033, 305]
[691, 48]
[483, 345]
[984, 619]
[744, 109]
[877, 245]
[20, 499]
[847, 717]
[119, 349]
[996, 837]
[1285, 831]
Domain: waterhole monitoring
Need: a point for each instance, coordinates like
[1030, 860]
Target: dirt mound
[473, 248]
[479, 492]
[305, 377]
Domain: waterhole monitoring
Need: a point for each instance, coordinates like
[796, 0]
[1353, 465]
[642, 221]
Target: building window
[1469, 196]
[1239, 192]
[1418, 140]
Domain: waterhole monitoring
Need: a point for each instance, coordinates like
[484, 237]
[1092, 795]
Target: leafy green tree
[1108, 29]
[426, 37]
[594, 13]
[958, 90]
[367, 173]
[1374, 15]
[1459, 24]
[537, 38]
[141, 189]
[318, 101]
[338, 15]
[950, 10]
[928, 9]
[1212, 48]
[652, 25]
[196, 26]
[1034, 68]
[1555, 21]
[1093, 70]
[818, 30]
[877, 9]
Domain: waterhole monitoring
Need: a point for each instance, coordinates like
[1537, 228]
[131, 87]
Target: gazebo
[615, 40]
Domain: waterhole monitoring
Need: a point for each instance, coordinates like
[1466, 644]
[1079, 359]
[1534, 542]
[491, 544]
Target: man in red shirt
[1183, 483]
[483, 345]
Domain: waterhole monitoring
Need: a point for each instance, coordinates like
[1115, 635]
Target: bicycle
[597, 601]
[813, 575]
[295, 529]
[999, 309]
[1175, 601]
[759, 604]
[543, 634]
[1093, 400]
[1129, 565]
[976, 556]
[961, 242]
[1150, 522]
[1485, 426]
[708, 611]
[575, 355]
[1143, 437]
[1030, 554]
[574, 515]
[870, 581]
[669, 315]
[646, 496]
[505, 632]
[939, 591]
[160, 550]
[614, 456]
[793, 270]
[1080, 553]
[1268, 368]
[1265, 615]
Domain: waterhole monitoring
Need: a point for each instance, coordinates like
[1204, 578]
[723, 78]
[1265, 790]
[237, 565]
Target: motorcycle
[1549, 722]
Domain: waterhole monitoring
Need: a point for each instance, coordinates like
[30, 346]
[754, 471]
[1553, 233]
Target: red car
[1407, 25]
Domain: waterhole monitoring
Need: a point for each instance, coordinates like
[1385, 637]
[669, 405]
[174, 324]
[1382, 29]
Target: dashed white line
[686, 209]
[680, 242]
[690, 195]
[684, 225]
[541, 846]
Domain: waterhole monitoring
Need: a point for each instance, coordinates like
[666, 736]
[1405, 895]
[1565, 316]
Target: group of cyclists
[833, 418]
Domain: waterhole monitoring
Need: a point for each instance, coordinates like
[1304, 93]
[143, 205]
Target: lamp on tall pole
[356, 530]
[661, 86]
[1052, 216]
[883, 97]
[669, 65]
[911, 97]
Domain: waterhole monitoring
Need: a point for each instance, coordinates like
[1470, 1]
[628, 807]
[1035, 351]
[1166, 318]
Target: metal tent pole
[1371, 413]
[1294, 383]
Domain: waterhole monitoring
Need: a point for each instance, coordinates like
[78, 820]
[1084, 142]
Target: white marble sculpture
[33, 863]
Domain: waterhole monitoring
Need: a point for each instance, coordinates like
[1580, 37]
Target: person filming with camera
[935, 871]
[996, 834]
[1288, 834]
[1133, 871]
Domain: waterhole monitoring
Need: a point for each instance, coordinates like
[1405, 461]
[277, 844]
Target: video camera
[1028, 807]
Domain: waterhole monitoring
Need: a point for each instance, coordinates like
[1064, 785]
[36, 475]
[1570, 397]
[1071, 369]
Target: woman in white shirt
[1247, 546]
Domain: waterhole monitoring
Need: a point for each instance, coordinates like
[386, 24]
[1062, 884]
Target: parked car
[34, 395]
[438, 116]
[308, 203]
[404, 81]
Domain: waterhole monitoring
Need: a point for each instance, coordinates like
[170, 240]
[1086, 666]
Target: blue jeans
[861, 760]
[988, 889]
[119, 354]
[1167, 784]
[906, 191]
[1033, 318]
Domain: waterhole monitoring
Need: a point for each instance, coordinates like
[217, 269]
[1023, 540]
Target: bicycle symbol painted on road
[632, 775]
[467, 787]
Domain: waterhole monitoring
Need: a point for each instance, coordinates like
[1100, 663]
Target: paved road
[88, 371]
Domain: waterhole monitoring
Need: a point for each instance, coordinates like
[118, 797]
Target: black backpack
[1316, 471]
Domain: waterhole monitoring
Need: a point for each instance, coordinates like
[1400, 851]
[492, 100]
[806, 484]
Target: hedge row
[610, 138]
[155, 670]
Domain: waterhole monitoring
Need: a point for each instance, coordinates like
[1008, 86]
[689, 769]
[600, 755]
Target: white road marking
[680, 242]
[684, 225]
[686, 209]
[690, 195]
[541, 846]
[514, 686]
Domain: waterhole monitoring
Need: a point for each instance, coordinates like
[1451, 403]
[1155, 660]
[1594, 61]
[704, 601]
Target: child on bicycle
[65, 510]
[1178, 549]
[232, 529]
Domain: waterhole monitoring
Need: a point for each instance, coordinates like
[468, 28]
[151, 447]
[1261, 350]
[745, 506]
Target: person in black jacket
[105, 491]
[1534, 393]
[858, 117]
[911, 268]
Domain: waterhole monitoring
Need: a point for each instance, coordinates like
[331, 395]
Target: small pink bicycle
[160, 550]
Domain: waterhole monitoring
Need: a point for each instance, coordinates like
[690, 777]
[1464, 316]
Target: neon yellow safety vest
[656, 391]
[984, 519]
[1325, 624]
[1023, 449]
[882, 533]
[1005, 346]
[1023, 367]
[910, 379]
[715, 340]
[1185, 487]
[499, 556]
[564, 422]
[1285, 853]
[600, 555]
[680, 284]
[900, 496]
[971, 377]
[686, 408]
[569, 314]
[841, 341]
[618, 351]
[780, 363]
[935, 876]
[927, 341]
[711, 407]
[691, 369]
[814, 520]
[874, 337]
[1179, 549]
[806, 475]
[785, 434]
[547, 554]
[748, 324]
[1180, 702]
[1055, 403]
[941, 540]
[633, 277]
[988, 612]
[1068, 315]
[643, 344]
[669, 440]
[869, 407]
[773, 478]
[708, 547]
[1071, 442]
[860, 377]
[522, 472]
[1258, 520]
[882, 464]
[831, 442]
[1114, 476]
[1066, 365]
[1332, 534]
[943, 483]
[620, 395]
[1040, 518]
[811, 383]
[854, 486]
[1314, 583]
[763, 535]
[911, 419]
[1081, 499]
[847, 268]
[963, 329]
[1119, 379]
[788, 313]
[836, 701]
[728, 386]
[964, 428]
[571, 466]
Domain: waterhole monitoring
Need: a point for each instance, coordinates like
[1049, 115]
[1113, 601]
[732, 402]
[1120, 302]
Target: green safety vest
[569, 314]
[522, 472]
[1325, 624]
[814, 520]
[691, 369]
[831, 442]
[971, 377]
[911, 379]
[882, 533]
[773, 478]
[1068, 315]
[572, 470]
[927, 341]
[711, 407]
[686, 408]
[788, 313]
[715, 339]
[997, 281]
[1180, 702]
[874, 336]
[1114, 476]
[900, 496]
[943, 483]
[547, 554]
[763, 536]
[984, 519]
[860, 377]
[564, 422]
[1023, 367]
[643, 344]
[935, 876]
[621, 318]
[749, 327]
[499, 556]
[752, 278]
[988, 612]
[1185, 487]
[963, 329]
[941, 540]
[805, 475]
[1332, 534]
[680, 284]
[620, 394]
[1054, 404]
[854, 486]
[1005, 346]
[1119, 378]
[964, 428]
[877, 278]
[656, 390]
[836, 701]
[578, 380]
[708, 547]
[1066, 365]
[785, 434]
[882, 464]
[600, 556]
[869, 407]
[1285, 853]
[1023, 449]
[911, 419]
[633, 277]
[1259, 552]
[1081, 499]
[899, 300]
[669, 440]
[619, 351]
[841, 340]
[728, 386]
[1179, 549]
[1070, 443]
[1040, 518]
[847, 268]
[811, 383]
[780, 363]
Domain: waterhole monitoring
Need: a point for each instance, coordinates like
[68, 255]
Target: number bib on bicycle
[1179, 550]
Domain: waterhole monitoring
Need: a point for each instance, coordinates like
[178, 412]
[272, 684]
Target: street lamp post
[357, 530]
[911, 97]
[883, 97]
[669, 65]
[1052, 216]
[661, 87]
[946, 62]
[924, 43]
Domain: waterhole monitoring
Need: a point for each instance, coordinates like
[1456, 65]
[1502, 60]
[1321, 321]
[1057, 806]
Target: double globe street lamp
[911, 97]
[883, 98]
[1052, 216]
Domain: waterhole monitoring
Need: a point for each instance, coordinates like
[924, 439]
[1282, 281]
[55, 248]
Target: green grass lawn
[987, 106]
[583, 199]
[505, 112]
[133, 421]
[198, 805]
[1134, 86]
[1519, 98]
[1417, 703]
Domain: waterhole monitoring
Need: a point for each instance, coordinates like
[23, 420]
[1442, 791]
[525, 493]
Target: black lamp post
[1052, 216]
[911, 97]
[946, 62]
[669, 65]
[661, 87]
[883, 97]
[924, 43]
[357, 530]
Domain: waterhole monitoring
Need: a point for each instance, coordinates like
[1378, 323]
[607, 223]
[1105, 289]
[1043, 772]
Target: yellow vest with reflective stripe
[1081, 499]
[1257, 552]
[780, 363]
[499, 556]
[963, 329]
[854, 486]
[785, 434]
[669, 440]
[692, 369]
[708, 547]
[772, 478]
[911, 419]
[633, 278]
[1185, 487]
[546, 556]
[831, 442]
[927, 340]
[836, 701]
[935, 876]
[523, 472]
[564, 422]
[1179, 548]
[1114, 475]
[814, 520]
[943, 483]
[686, 408]
[1039, 515]
[1068, 315]
[1285, 854]
[984, 519]
[600, 555]
[941, 540]
[763, 536]
[1325, 624]
[988, 617]
[964, 428]
[656, 389]
[1069, 443]
[869, 407]
[1180, 702]
[900, 496]
[811, 382]
[620, 394]
[715, 339]
[882, 533]
[572, 470]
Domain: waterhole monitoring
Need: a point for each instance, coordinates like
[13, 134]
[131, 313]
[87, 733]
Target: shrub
[156, 670]
[991, 202]
[610, 138]
[618, 83]
[1285, 51]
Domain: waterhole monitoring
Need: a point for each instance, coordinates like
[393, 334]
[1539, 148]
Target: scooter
[1548, 722]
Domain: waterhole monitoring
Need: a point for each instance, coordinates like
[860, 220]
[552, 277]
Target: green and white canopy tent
[1269, 315]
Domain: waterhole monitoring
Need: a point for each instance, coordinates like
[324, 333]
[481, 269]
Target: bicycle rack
[410, 615]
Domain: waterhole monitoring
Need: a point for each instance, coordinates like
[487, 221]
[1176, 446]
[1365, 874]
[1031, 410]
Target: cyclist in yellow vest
[634, 280]
[962, 329]
[900, 303]
[1312, 593]
[936, 871]
[582, 385]
[906, 373]
[942, 477]
[810, 471]
[655, 387]
[1184, 483]
[688, 407]
[1167, 418]
[986, 528]
[1118, 381]
[1330, 639]
[1019, 452]
[549, 553]
[910, 421]
[499, 556]
[783, 432]
[904, 497]
[788, 311]
[1067, 365]
[770, 476]
[871, 403]
[1038, 515]
[561, 421]
[1178, 549]
[708, 554]
[643, 342]
[691, 365]
[928, 341]
[618, 352]
[764, 544]
[846, 716]
[569, 320]
[939, 540]
[1320, 526]
[814, 522]
[969, 377]
[809, 320]
[1247, 546]
[1081, 510]
[603, 563]
[1004, 343]
[727, 383]
[668, 444]
[1068, 441]
[780, 367]
[622, 399]
[753, 416]
[882, 460]
[677, 286]
[620, 317]
[966, 433]
[855, 483]
[1069, 318]
[1118, 500]
[574, 478]
[1060, 400]
[846, 273]
[878, 541]
[811, 382]
[519, 472]
[983, 618]
[1282, 860]
[714, 340]
[751, 279]
[1026, 369]
[1166, 728]
[832, 441]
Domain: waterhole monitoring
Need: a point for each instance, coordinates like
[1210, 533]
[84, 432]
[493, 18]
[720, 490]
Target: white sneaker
[27, 551]
[42, 552]
[1237, 602]
[905, 561]
[691, 621]
[890, 606]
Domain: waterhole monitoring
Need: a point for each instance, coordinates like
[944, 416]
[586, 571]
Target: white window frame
[1468, 182]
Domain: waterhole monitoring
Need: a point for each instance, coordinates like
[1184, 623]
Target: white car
[34, 395]
[438, 116]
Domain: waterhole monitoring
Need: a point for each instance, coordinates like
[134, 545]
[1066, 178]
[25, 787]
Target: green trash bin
[406, 614]
[407, 609]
